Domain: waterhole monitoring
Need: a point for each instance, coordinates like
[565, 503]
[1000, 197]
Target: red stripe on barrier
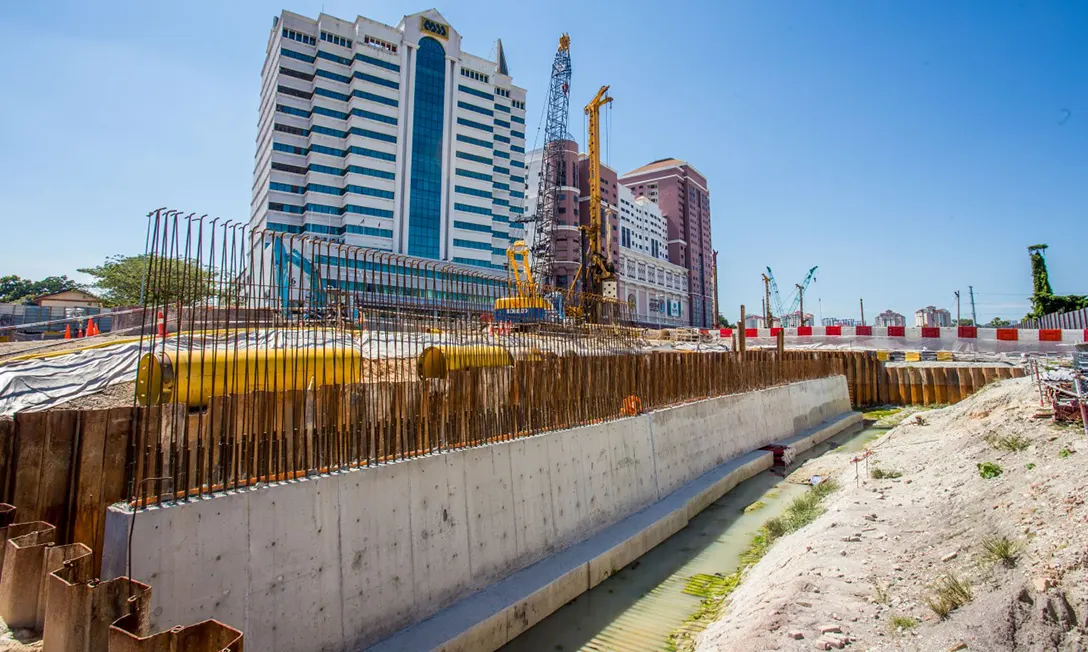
[751, 332]
[834, 330]
[1086, 334]
[726, 332]
[775, 331]
[967, 332]
[863, 330]
[1050, 335]
[1007, 334]
[703, 331]
[804, 330]
[897, 331]
[931, 331]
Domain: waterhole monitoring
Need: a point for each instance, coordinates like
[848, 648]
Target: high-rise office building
[391, 138]
[681, 193]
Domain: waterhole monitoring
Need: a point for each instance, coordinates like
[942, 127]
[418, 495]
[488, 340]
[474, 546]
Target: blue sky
[908, 149]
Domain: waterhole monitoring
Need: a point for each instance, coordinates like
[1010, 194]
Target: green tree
[120, 280]
[14, 289]
[998, 322]
[1043, 299]
[724, 323]
[965, 322]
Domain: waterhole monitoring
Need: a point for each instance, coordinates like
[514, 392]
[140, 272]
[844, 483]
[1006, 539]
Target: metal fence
[1065, 320]
[296, 355]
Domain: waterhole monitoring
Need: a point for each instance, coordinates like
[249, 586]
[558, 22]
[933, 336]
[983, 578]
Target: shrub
[1001, 549]
[878, 473]
[989, 470]
[1011, 443]
[903, 623]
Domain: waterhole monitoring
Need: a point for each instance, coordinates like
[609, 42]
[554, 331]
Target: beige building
[68, 299]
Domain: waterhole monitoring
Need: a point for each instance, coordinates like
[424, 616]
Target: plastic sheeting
[46, 382]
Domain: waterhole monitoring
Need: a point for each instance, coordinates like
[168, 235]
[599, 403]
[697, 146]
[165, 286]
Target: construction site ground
[861, 575]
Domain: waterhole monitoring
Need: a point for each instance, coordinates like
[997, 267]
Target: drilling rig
[600, 278]
[552, 167]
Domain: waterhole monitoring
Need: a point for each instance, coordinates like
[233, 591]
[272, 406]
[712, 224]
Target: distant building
[68, 299]
[932, 316]
[753, 321]
[890, 318]
[793, 320]
[681, 192]
[389, 137]
[839, 321]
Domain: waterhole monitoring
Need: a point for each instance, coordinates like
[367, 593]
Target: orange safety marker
[80, 333]
[67, 331]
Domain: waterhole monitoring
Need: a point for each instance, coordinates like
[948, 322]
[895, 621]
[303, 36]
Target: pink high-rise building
[681, 192]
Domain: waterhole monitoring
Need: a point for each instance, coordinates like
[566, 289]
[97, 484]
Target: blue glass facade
[425, 206]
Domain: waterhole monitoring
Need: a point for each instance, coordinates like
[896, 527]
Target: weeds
[878, 473]
[950, 594]
[902, 623]
[1001, 549]
[880, 593]
[1064, 453]
[1011, 443]
[989, 470]
[1030, 466]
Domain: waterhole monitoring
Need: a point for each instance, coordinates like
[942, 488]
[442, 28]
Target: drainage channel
[640, 606]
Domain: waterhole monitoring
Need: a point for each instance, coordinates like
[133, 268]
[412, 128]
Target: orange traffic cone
[67, 331]
[90, 327]
[94, 328]
[80, 333]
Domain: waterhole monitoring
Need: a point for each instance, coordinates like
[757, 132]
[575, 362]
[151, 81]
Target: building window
[425, 210]
[472, 74]
[379, 44]
[336, 40]
[299, 36]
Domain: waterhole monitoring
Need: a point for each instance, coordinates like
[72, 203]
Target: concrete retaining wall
[342, 561]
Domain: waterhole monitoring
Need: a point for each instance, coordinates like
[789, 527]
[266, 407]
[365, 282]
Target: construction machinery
[526, 306]
[597, 268]
[770, 289]
[544, 221]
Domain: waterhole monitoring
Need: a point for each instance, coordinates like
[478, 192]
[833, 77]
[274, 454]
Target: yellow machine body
[194, 377]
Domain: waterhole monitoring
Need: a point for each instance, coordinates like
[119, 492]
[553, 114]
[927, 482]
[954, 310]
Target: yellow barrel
[945, 356]
[439, 361]
[193, 377]
[912, 356]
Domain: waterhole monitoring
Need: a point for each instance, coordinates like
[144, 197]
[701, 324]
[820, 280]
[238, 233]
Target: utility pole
[741, 343]
[767, 318]
[957, 307]
[801, 293]
[974, 318]
[862, 301]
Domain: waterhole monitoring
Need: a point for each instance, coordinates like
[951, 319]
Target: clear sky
[907, 148]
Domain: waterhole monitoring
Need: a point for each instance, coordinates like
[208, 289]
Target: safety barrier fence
[1061, 331]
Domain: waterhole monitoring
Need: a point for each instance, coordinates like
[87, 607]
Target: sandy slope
[883, 543]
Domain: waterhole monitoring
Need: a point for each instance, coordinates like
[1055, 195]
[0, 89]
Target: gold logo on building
[435, 27]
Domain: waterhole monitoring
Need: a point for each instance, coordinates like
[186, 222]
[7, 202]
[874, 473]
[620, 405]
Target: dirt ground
[883, 546]
[9, 350]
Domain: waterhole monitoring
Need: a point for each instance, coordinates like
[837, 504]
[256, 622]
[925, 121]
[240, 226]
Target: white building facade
[655, 288]
[390, 138]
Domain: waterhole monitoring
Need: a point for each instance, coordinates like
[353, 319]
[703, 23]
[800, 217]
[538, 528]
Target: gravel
[927, 525]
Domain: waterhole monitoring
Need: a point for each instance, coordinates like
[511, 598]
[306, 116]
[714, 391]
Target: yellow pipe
[438, 361]
[192, 377]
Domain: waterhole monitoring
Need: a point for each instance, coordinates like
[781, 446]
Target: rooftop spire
[503, 69]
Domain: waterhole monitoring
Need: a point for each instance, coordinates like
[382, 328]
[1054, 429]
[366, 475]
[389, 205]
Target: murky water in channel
[637, 608]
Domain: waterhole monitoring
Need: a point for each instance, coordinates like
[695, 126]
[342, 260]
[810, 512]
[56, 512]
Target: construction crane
[599, 273]
[770, 286]
[799, 300]
[552, 166]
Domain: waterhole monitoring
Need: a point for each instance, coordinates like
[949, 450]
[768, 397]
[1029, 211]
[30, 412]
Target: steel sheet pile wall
[873, 382]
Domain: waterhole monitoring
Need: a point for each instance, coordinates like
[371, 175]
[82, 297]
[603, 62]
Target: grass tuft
[902, 623]
[1064, 453]
[878, 473]
[950, 593]
[1001, 549]
[1011, 443]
